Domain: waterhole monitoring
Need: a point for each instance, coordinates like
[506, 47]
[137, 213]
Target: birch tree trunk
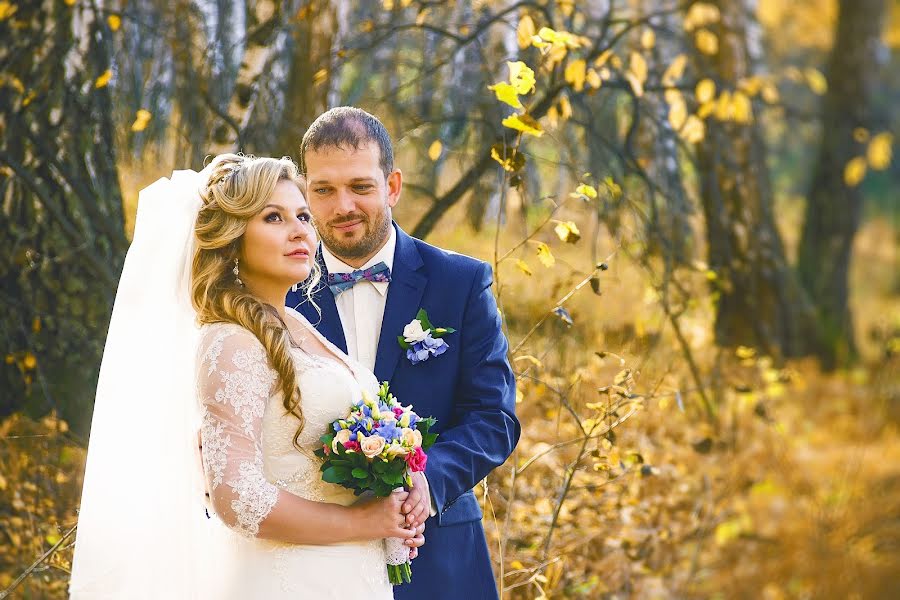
[263, 20]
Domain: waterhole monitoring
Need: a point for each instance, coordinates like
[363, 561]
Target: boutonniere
[422, 340]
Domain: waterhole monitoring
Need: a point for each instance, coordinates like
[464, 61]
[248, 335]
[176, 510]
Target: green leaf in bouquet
[422, 316]
[382, 489]
[428, 440]
[359, 473]
[327, 438]
[335, 474]
[403, 343]
[379, 466]
[425, 425]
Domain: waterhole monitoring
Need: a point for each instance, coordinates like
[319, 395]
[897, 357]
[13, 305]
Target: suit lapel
[403, 298]
[329, 324]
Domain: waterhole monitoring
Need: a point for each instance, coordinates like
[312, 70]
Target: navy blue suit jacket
[470, 390]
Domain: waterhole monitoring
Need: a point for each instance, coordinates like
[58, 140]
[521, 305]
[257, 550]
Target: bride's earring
[237, 272]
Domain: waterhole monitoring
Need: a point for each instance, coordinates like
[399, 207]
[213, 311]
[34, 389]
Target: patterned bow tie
[341, 282]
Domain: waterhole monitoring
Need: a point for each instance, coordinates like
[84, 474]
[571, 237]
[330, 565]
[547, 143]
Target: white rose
[372, 445]
[413, 332]
[411, 437]
[339, 438]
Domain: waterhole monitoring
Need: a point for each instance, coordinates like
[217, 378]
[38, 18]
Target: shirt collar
[385, 255]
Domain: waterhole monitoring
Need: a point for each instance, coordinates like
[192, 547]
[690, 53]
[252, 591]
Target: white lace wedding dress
[250, 461]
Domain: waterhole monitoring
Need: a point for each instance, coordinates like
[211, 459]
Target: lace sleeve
[234, 385]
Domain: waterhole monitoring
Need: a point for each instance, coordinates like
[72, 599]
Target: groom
[376, 278]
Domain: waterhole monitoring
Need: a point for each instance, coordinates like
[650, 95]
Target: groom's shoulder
[460, 264]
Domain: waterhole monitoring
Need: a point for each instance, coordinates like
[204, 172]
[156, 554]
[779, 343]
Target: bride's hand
[382, 517]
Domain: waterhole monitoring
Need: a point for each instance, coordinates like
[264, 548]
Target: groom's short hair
[347, 126]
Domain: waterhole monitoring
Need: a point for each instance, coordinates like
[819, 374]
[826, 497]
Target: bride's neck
[271, 295]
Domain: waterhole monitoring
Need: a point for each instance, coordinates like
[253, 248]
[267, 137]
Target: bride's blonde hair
[237, 190]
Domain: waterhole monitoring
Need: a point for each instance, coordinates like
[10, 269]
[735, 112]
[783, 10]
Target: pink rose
[351, 445]
[416, 460]
[398, 412]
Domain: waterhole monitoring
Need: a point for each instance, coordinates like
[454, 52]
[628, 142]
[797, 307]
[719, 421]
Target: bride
[220, 249]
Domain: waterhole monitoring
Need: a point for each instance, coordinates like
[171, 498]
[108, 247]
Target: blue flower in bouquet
[425, 349]
[389, 431]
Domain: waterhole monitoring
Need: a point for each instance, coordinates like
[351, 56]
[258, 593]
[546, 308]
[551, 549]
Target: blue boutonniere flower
[422, 340]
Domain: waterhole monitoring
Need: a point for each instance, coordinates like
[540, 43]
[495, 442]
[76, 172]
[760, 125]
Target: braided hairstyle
[237, 190]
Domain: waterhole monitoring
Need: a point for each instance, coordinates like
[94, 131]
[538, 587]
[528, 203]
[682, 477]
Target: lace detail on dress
[235, 383]
[247, 388]
[215, 448]
[255, 496]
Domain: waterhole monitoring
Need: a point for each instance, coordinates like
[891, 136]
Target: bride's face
[279, 244]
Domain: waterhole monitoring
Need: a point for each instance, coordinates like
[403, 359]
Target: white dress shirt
[361, 308]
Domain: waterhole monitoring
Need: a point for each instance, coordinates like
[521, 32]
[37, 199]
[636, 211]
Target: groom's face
[351, 200]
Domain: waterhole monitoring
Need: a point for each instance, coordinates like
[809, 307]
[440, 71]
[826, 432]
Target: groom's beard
[376, 231]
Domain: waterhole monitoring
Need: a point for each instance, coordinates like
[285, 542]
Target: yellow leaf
[707, 42]
[320, 76]
[575, 73]
[434, 150]
[521, 77]
[675, 70]
[567, 231]
[593, 79]
[36, 325]
[586, 190]
[565, 108]
[677, 113]
[724, 108]
[70, 2]
[694, 130]
[523, 266]
[614, 189]
[516, 565]
[7, 9]
[636, 84]
[750, 85]
[861, 135]
[700, 14]
[544, 255]
[745, 352]
[525, 31]
[115, 21]
[706, 109]
[601, 60]
[367, 26]
[506, 92]
[553, 116]
[560, 37]
[705, 90]
[103, 80]
[638, 66]
[672, 95]
[855, 171]
[879, 151]
[524, 123]
[29, 361]
[142, 117]
[817, 81]
[648, 39]
[770, 93]
[741, 107]
[509, 158]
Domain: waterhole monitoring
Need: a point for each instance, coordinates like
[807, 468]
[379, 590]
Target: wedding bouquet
[376, 448]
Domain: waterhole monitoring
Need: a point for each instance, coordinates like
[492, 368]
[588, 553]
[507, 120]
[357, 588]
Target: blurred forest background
[692, 212]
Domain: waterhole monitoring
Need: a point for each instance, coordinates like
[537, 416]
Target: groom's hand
[417, 505]
[415, 542]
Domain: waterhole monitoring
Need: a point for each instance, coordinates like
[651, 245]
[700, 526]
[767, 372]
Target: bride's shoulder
[214, 337]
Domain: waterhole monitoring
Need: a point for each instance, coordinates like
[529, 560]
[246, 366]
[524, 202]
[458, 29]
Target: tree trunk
[833, 208]
[760, 303]
[306, 94]
[263, 20]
